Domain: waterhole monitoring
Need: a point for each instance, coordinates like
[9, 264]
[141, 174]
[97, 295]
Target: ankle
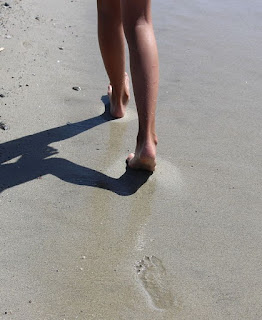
[120, 97]
[147, 138]
[146, 146]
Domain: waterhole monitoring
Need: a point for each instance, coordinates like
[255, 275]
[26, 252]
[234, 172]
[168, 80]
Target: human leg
[112, 46]
[140, 36]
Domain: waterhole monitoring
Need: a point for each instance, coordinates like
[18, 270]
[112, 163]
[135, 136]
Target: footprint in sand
[27, 45]
[152, 275]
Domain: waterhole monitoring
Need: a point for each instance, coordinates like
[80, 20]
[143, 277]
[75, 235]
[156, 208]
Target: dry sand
[75, 226]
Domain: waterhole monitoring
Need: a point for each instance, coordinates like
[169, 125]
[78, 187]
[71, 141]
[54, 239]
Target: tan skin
[131, 19]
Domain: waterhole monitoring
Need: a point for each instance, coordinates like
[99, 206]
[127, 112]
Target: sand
[84, 238]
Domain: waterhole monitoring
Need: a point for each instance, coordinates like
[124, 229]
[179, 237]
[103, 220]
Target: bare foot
[144, 157]
[118, 108]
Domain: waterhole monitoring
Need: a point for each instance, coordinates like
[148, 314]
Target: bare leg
[140, 36]
[111, 41]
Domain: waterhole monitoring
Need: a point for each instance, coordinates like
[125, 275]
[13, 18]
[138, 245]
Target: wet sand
[84, 238]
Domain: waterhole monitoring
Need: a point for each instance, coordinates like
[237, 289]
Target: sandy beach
[81, 236]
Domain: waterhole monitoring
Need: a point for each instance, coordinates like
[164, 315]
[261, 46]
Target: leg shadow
[125, 185]
[35, 160]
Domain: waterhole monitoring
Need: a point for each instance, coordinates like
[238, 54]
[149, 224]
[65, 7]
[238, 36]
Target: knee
[136, 17]
[133, 28]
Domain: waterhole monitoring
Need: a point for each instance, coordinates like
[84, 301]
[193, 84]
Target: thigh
[136, 11]
[109, 8]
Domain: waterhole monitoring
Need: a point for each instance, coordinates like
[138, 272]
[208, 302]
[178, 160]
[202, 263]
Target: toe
[129, 159]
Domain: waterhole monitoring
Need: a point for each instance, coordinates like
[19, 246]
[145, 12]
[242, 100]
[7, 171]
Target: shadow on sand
[34, 160]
